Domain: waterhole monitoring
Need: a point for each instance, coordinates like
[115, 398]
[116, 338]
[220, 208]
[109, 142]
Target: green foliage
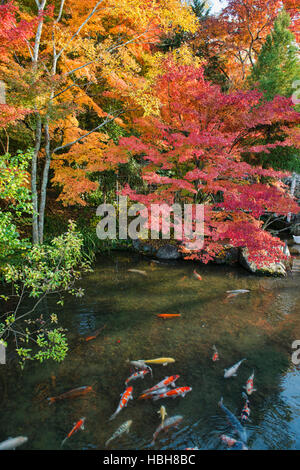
[277, 65]
[44, 270]
[15, 200]
[281, 158]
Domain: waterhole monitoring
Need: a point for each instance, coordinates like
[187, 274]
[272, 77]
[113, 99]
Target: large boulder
[267, 269]
[229, 255]
[168, 252]
[143, 247]
[295, 250]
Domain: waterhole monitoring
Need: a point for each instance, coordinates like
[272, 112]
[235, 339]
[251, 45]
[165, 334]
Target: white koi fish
[13, 442]
[231, 372]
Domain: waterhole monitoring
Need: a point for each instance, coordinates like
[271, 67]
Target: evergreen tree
[277, 66]
[274, 73]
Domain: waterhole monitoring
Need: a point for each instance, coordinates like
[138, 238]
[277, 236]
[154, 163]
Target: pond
[259, 326]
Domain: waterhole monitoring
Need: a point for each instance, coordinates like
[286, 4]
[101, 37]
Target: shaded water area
[259, 326]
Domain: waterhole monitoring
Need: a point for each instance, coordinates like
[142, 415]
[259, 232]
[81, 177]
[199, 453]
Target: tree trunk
[38, 135]
[44, 184]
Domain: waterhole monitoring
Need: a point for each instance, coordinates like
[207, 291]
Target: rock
[229, 255]
[143, 247]
[295, 250]
[271, 269]
[296, 225]
[168, 252]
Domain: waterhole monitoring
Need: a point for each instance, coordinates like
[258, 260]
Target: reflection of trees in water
[273, 420]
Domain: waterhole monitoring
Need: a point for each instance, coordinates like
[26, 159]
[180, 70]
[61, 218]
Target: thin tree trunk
[38, 135]
[44, 184]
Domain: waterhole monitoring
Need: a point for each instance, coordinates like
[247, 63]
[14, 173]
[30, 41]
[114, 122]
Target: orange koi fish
[168, 315]
[76, 392]
[139, 374]
[196, 275]
[215, 354]
[164, 383]
[176, 392]
[125, 397]
[77, 426]
[94, 334]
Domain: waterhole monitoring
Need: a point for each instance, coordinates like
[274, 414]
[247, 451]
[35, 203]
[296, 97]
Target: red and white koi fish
[191, 448]
[125, 397]
[249, 385]
[164, 383]
[77, 426]
[215, 354]
[139, 374]
[197, 275]
[237, 445]
[168, 423]
[246, 410]
[176, 392]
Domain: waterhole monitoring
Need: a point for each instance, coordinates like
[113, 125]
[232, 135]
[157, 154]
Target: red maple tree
[193, 153]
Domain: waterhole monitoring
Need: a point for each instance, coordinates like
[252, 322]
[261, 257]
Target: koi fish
[234, 422]
[197, 275]
[140, 374]
[236, 445]
[76, 392]
[162, 412]
[168, 315]
[176, 392]
[125, 427]
[138, 271]
[145, 396]
[161, 360]
[237, 291]
[140, 364]
[170, 422]
[77, 426]
[215, 354]
[249, 385]
[191, 448]
[125, 397]
[13, 442]
[231, 372]
[164, 383]
[94, 334]
[246, 410]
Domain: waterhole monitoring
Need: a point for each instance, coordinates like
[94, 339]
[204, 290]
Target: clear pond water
[259, 326]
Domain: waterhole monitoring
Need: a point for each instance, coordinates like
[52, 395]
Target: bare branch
[60, 11]
[109, 49]
[80, 27]
[107, 120]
